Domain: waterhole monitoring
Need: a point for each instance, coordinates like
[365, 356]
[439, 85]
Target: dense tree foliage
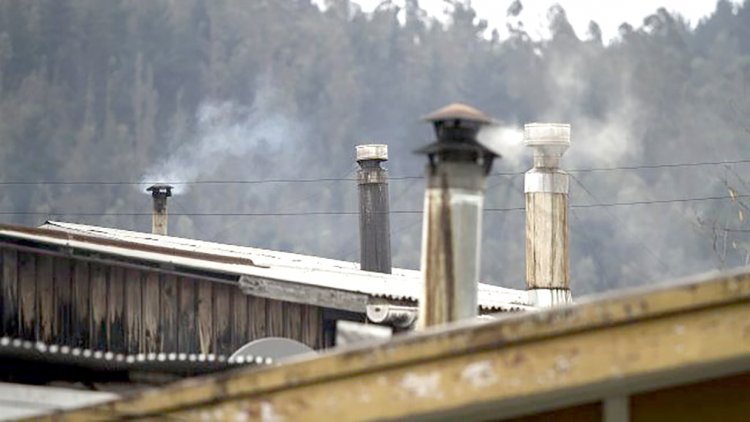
[230, 90]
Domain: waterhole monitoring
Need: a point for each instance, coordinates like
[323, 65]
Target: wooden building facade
[93, 301]
[132, 293]
[79, 303]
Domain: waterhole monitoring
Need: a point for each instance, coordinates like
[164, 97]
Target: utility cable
[347, 250]
[645, 246]
[591, 246]
[350, 179]
[313, 213]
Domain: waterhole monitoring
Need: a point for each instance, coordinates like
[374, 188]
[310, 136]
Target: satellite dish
[275, 348]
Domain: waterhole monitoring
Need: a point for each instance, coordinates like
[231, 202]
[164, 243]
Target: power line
[592, 248]
[346, 250]
[656, 201]
[314, 213]
[346, 179]
[192, 214]
[174, 183]
[653, 254]
[659, 166]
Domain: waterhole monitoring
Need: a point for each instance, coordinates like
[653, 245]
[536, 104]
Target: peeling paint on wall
[422, 386]
[479, 374]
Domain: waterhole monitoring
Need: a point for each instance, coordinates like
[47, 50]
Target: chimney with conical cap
[456, 173]
[159, 220]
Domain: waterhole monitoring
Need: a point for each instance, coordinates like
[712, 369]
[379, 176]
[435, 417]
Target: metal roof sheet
[103, 360]
[242, 260]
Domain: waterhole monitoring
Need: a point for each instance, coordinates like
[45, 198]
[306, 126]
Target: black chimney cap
[160, 189]
[457, 126]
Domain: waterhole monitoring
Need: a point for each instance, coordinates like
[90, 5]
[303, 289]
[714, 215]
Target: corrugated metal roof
[108, 361]
[241, 260]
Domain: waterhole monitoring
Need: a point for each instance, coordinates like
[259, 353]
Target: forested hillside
[121, 92]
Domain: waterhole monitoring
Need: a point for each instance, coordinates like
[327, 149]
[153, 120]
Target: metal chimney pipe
[546, 188]
[374, 218]
[159, 220]
[456, 174]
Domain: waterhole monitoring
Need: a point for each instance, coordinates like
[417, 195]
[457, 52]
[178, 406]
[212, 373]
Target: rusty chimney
[160, 193]
[546, 189]
[456, 172]
[374, 218]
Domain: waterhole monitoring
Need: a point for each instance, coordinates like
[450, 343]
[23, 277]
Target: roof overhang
[609, 345]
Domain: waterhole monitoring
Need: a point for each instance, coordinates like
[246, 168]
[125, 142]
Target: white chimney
[546, 187]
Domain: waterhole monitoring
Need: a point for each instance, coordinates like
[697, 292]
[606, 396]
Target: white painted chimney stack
[546, 187]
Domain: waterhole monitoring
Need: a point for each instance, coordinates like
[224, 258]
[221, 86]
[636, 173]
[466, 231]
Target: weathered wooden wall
[74, 302]
[547, 241]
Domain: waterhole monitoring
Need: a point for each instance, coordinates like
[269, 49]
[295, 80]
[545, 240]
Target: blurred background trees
[102, 91]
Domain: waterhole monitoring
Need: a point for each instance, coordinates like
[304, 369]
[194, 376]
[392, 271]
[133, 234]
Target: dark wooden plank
[205, 316]
[62, 301]
[81, 312]
[45, 292]
[2, 284]
[256, 315]
[168, 314]
[116, 309]
[292, 315]
[274, 318]
[187, 340]
[312, 326]
[239, 319]
[133, 311]
[27, 293]
[329, 332]
[2, 290]
[222, 312]
[9, 292]
[590, 412]
[151, 312]
[99, 275]
[725, 399]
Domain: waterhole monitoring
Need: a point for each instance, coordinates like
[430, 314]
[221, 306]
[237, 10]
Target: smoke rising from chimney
[223, 130]
[614, 134]
[508, 140]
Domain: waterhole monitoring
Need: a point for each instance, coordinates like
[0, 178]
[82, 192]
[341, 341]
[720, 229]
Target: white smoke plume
[224, 130]
[505, 140]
